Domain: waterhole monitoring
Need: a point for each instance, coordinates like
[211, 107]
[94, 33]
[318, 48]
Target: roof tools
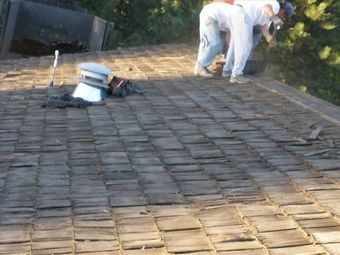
[50, 83]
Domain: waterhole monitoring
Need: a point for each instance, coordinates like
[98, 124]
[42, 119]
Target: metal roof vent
[93, 82]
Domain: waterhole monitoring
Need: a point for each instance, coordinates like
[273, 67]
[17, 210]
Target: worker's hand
[270, 40]
[273, 43]
[277, 22]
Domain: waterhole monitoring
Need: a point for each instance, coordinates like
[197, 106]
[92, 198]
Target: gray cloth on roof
[66, 100]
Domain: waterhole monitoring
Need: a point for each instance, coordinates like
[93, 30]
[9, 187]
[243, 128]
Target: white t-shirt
[221, 13]
[255, 12]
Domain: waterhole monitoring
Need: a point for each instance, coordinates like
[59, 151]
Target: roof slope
[192, 166]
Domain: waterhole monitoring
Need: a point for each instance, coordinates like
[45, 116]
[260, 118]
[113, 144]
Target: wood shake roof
[192, 166]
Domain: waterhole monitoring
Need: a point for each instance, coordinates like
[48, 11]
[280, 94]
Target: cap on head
[289, 9]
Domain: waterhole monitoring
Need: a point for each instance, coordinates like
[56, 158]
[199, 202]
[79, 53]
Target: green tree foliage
[148, 22]
[309, 52]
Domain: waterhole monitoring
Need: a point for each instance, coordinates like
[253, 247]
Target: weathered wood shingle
[195, 166]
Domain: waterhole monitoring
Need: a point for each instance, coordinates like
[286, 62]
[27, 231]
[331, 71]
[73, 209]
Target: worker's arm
[268, 10]
[266, 34]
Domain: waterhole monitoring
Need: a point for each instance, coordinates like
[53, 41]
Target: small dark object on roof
[122, 88]
[255, 66]
[66, 100]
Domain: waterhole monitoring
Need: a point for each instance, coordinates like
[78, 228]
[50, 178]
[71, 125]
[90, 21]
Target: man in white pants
[260, 13]
[216, 17]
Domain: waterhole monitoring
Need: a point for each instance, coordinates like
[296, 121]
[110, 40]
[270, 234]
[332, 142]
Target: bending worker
[261, 14]
[216, 17]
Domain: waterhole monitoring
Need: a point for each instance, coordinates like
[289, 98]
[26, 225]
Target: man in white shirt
[216, 17]
[261, 13]
[285, 12]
